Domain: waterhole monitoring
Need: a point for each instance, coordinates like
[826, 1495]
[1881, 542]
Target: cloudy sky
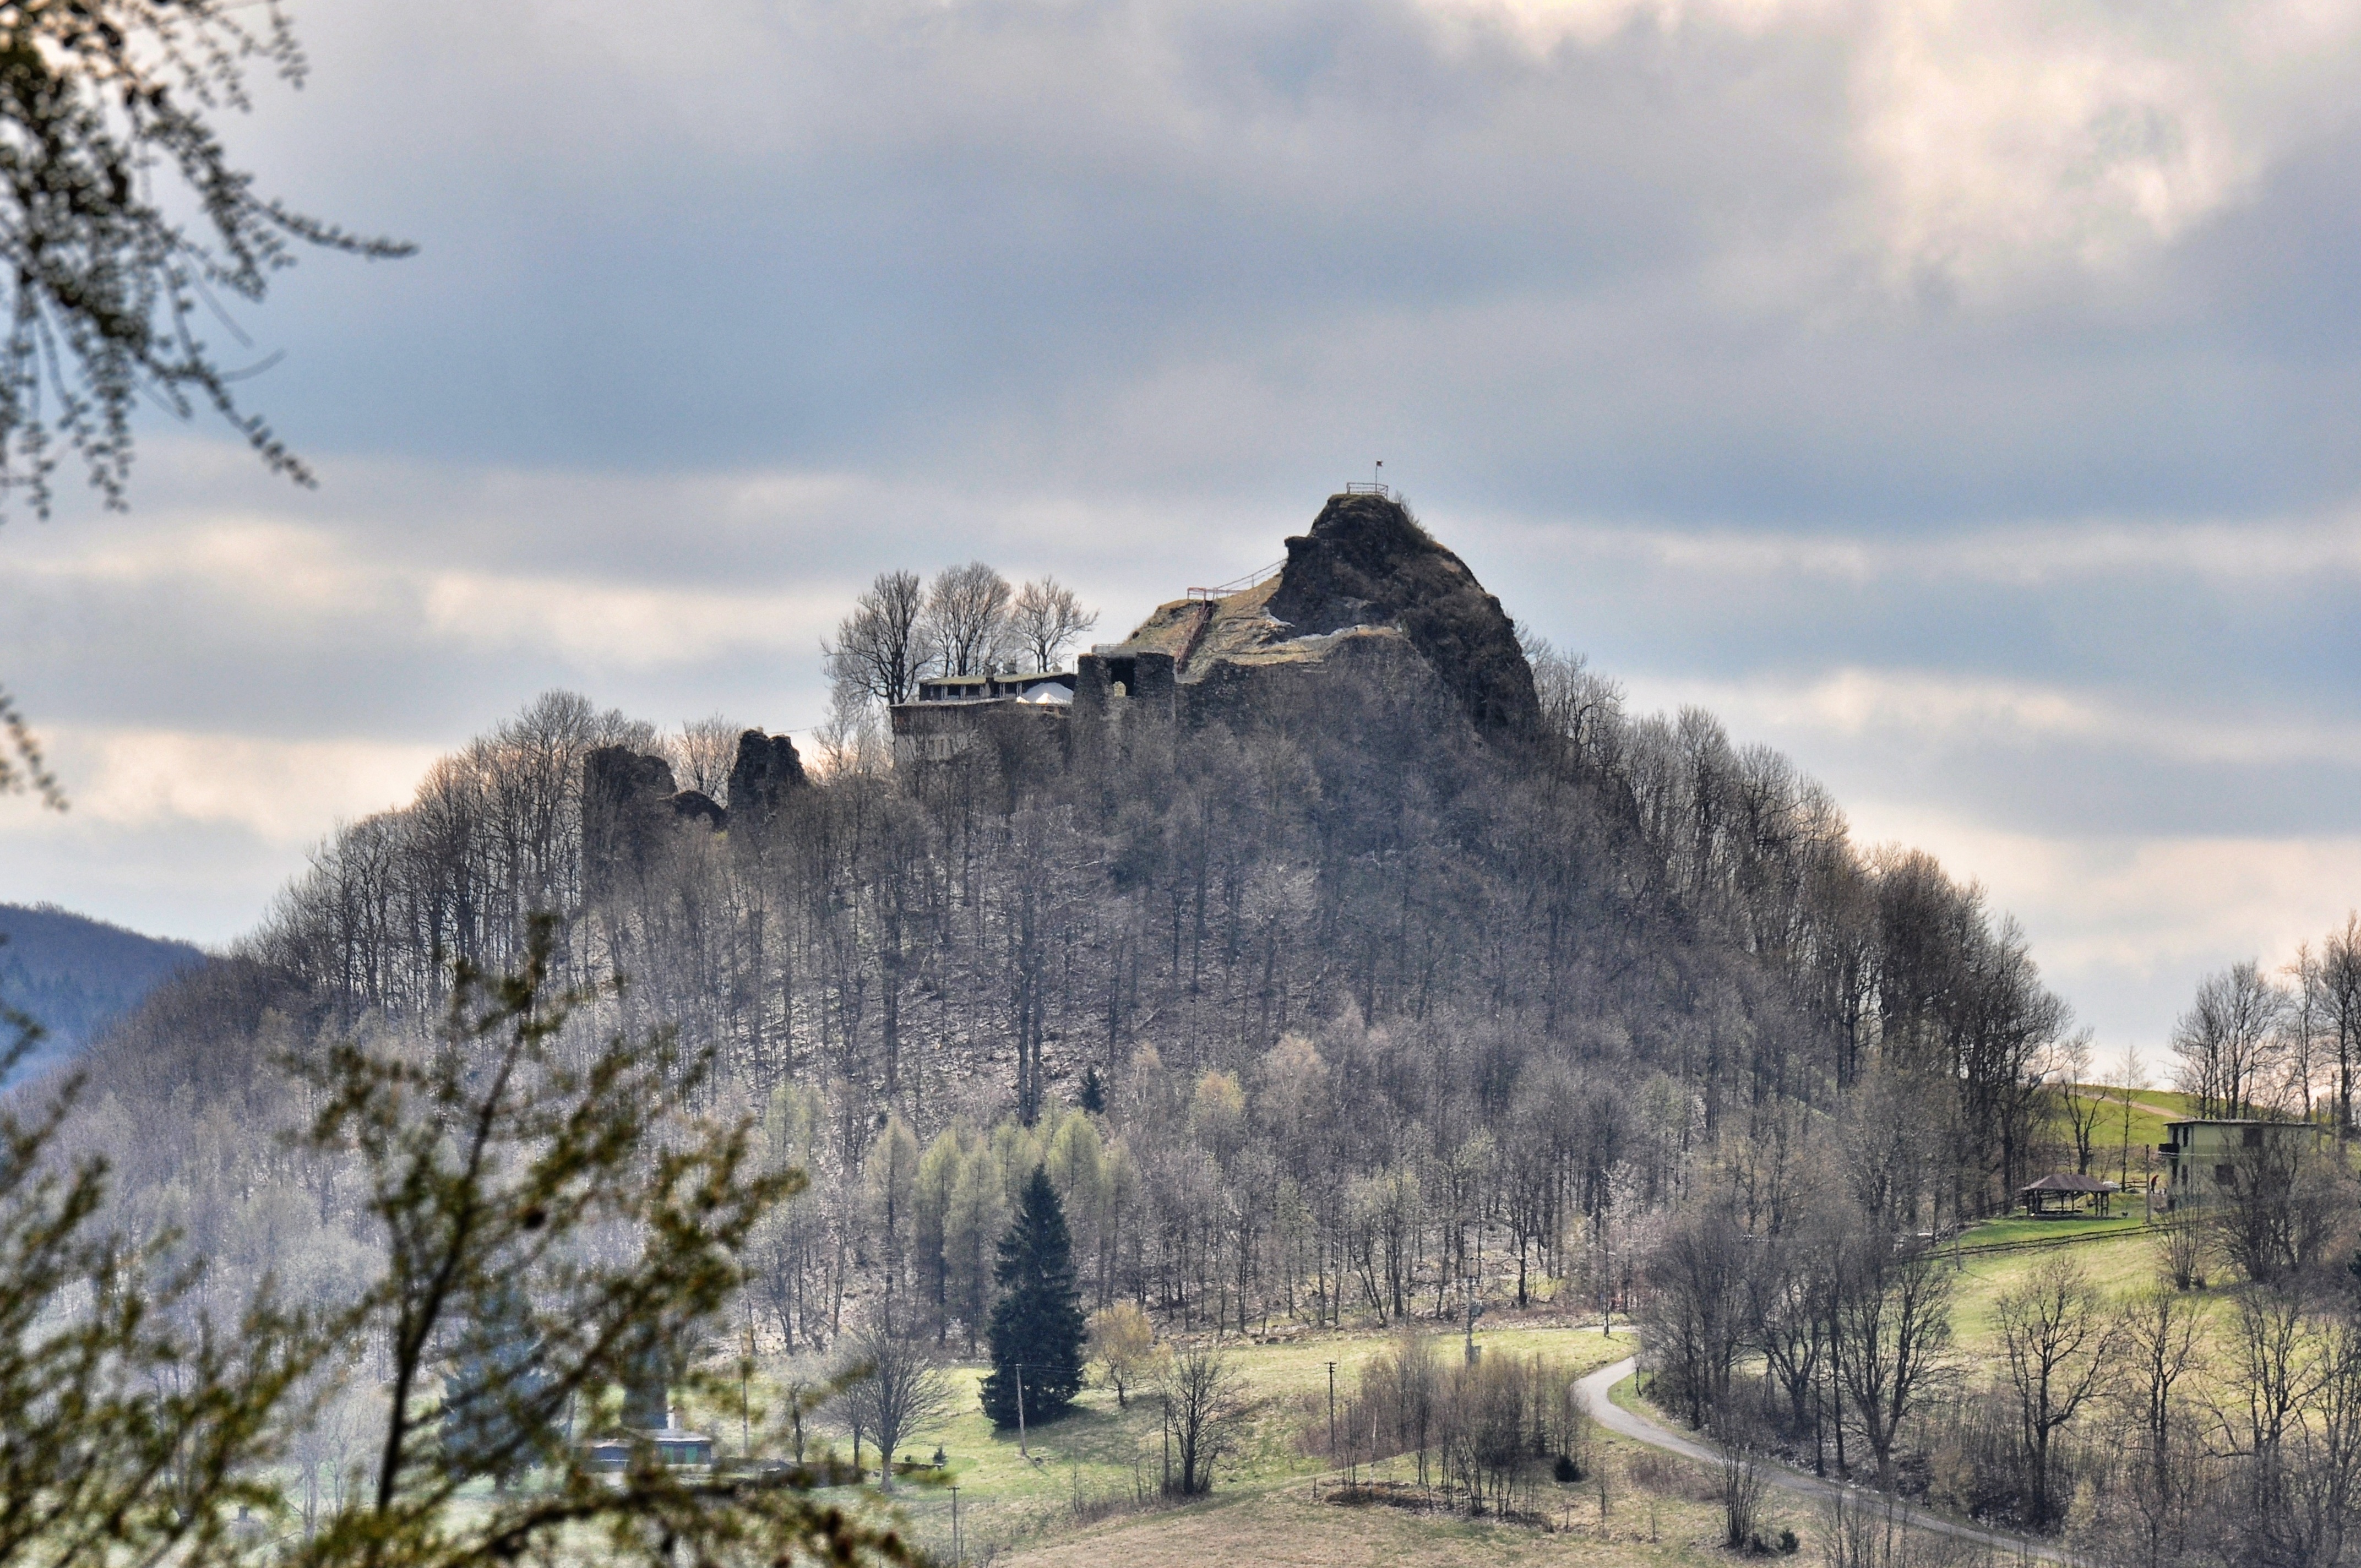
[1960, 396]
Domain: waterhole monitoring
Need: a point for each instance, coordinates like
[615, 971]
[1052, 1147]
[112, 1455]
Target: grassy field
[2181, 1105]
[2119, 1257]
[2012, 1231]
[2122, 1262]
[1283, 1525]
[1659, 1512]
[1098, 1457]
[1087, 1489]
[1086, 1493]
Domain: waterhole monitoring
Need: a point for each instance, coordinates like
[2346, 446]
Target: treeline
[1310, 1016]
[1360, 1004]
[546, 1225]
[2253, 1043]
[77, 975]
[1789, 1304]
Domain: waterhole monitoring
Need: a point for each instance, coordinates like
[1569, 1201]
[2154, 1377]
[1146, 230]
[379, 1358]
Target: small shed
[2055, 1197]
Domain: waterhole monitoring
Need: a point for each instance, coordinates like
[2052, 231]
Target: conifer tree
[497, 1407]
[1037, 1323]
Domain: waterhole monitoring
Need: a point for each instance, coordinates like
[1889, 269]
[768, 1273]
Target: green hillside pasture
[1282, 1525]
[2122, 1265]
[1661, 1510]
[2034, 1234]
[2109, 1154]
[1097, 1460]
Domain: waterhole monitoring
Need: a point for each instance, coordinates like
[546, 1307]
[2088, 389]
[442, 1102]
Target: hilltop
[1345, 953]
[1368, 589]
[75, 976]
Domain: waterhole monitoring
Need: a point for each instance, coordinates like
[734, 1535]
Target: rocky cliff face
[766, 771]
[629, 801]
[1366, 563]
[1367, 589]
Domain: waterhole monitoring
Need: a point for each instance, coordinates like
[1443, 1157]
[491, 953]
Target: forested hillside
[75, 976]
[1341, 957]
[1314, 999]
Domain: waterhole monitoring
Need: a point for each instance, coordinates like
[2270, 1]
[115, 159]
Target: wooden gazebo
[2055, 1197]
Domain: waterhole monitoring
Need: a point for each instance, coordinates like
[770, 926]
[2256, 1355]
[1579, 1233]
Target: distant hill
[76, 976]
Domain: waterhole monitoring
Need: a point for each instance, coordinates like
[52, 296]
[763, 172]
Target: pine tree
[1037, 1321]
[498, 1408]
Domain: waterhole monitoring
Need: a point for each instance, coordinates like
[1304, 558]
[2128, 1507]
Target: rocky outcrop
[767, 770]
[615, 775]
[1367, 562]
[1366, 590]
[632, 808]
[630, 802]
[696, 805]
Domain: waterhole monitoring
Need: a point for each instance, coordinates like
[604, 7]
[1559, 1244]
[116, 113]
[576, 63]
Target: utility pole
[745, 1401]
[1331, 1415]
[1467, 1282]
[1020, 1412]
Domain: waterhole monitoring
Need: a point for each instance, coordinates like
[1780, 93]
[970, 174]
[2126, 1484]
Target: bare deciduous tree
[879, 651]
[1862, 1531]
[2340, 967]
[1402, 1386]
[966, 621]
[2184, 1244]
[1694, 1316]
[702, 753]
[2162, 1336]
[2069, 1075]
[2129, 1078]
[1742, 1465]
[1893, 1332]
[1045, 618]
[897, 1388]
[2055, 1339]
[2224, 1038]
[109, 273]
[2301, 1027]
[1206, 1409]
[2270, 1371]
[2285, 1208]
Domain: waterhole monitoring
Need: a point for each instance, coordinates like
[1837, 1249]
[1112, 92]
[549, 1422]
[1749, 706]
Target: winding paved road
[1640, 1429]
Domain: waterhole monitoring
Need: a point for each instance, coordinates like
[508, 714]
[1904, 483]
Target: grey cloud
[743, 302]
[1630, 275]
